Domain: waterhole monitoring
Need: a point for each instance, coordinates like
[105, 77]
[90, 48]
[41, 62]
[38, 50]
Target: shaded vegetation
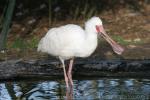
[74, 9]
[127, 21]
[6, 23]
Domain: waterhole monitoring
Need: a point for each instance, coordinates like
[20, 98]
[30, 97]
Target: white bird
[69, 41]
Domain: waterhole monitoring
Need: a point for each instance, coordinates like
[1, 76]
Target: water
[99, 89]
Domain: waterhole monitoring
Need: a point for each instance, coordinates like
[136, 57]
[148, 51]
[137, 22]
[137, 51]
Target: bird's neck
[90, 40]
[91, 35]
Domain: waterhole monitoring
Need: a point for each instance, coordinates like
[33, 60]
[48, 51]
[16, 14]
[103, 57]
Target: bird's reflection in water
[100, 89]
[49, 90]
[69, 93]
[43, 91]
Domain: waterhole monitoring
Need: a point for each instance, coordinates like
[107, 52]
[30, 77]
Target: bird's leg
[69, 94]
[65, 75]
[70, 71]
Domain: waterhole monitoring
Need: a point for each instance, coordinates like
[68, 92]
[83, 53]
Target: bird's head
[96, 24]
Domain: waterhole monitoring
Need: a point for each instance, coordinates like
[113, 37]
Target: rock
[13, 69]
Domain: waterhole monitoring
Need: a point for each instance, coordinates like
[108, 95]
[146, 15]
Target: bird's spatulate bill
[116, 47]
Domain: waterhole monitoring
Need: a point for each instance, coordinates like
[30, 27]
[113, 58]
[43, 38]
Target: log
[48, 68]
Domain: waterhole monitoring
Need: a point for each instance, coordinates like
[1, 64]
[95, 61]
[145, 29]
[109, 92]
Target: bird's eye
[97, 28]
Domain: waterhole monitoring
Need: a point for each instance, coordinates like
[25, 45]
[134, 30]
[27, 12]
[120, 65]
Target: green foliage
[20, 43]
[33, 43]
[6, 23]
[121, 40]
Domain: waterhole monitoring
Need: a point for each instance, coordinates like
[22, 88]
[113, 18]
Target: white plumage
[69, 41]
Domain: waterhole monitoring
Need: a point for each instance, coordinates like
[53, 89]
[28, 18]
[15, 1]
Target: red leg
[69, 94]
[66, 78]
[65, 75]
[70, 72]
